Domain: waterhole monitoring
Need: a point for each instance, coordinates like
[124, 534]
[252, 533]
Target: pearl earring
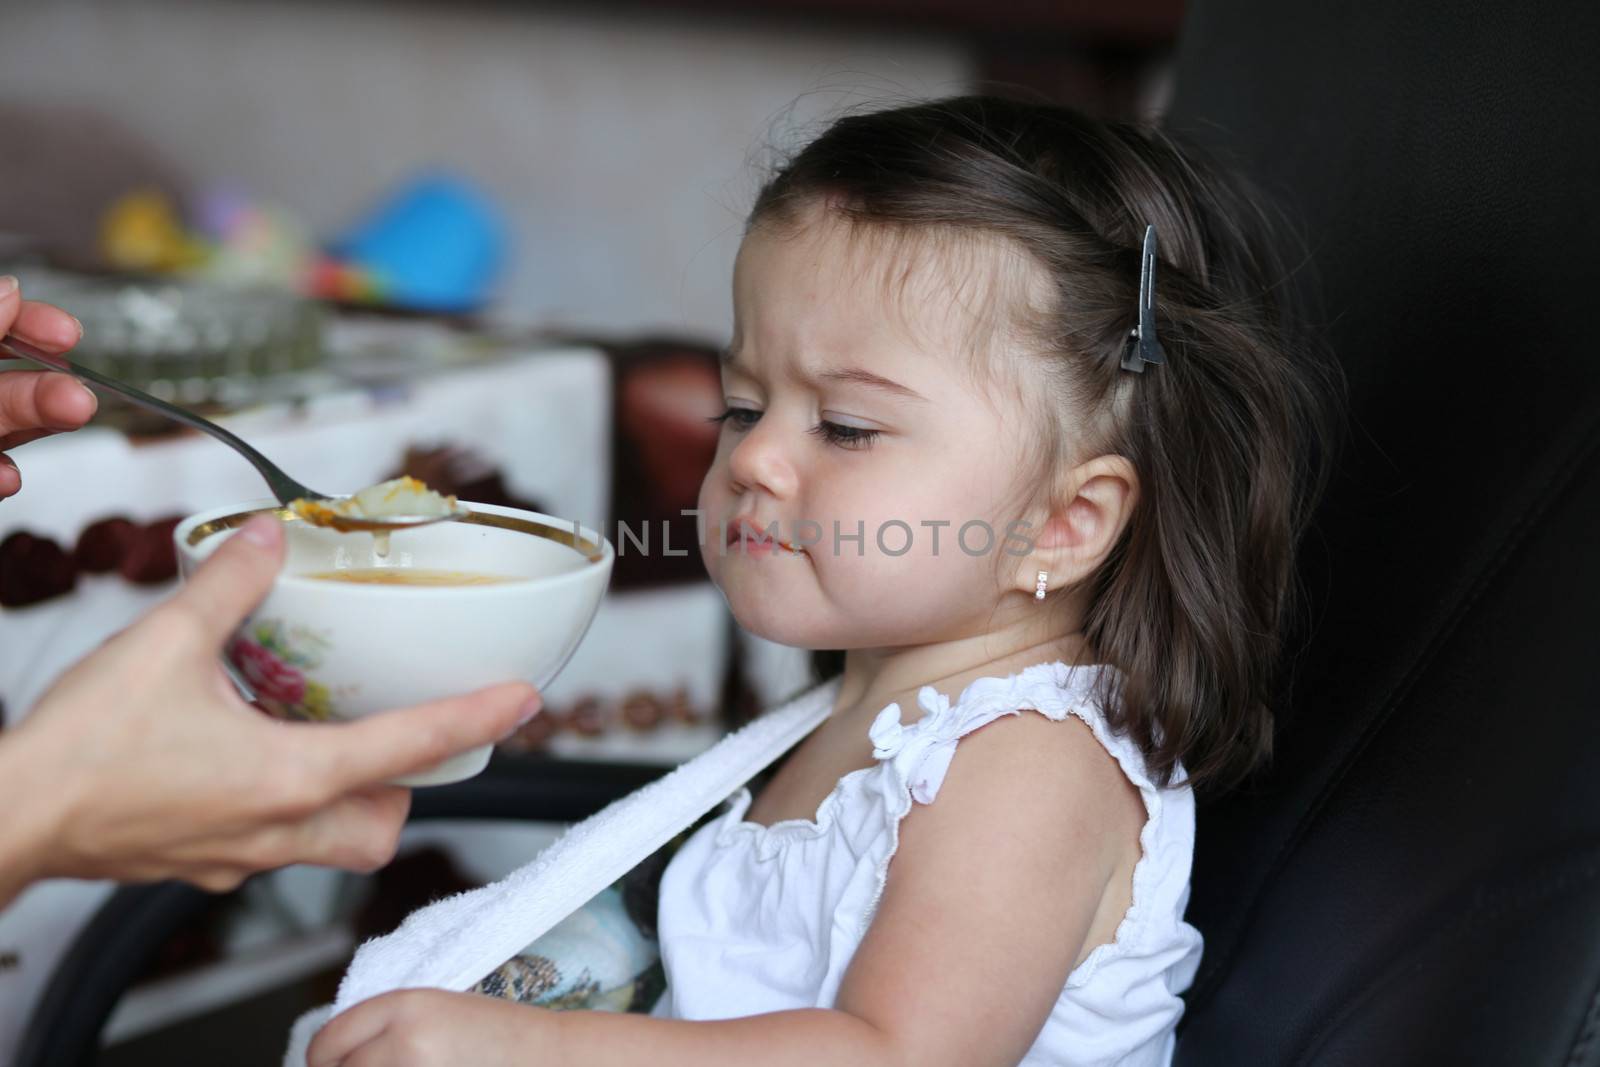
[1038, 588]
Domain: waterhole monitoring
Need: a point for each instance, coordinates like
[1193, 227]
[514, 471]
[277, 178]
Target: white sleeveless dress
[758, 919]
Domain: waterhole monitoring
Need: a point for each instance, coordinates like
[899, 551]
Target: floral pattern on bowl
[273, 659]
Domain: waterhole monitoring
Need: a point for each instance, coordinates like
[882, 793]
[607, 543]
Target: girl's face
[851, 406]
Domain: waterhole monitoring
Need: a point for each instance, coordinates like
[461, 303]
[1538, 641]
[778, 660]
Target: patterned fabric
[604, 956]
[596, 959]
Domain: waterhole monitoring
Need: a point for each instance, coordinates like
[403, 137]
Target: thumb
[236, 577]
[392, 743]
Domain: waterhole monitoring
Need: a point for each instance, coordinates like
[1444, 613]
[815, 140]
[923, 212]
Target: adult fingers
[10, 302]
[10, 477]
[43, 400]
[234, 579]
[21, 437]
[392, 743]
[47, 326]
[357, 832]
[224, 879]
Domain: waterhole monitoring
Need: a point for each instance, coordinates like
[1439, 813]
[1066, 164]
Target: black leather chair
[1417, 881]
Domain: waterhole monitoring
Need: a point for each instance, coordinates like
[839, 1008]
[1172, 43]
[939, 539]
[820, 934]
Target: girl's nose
[758, 461]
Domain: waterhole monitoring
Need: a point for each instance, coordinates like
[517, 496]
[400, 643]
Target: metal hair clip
[1142, 344]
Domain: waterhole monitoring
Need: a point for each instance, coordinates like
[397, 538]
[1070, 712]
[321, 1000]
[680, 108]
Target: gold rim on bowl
[591, 550]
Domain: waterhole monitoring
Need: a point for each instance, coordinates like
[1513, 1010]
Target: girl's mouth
[751, 538]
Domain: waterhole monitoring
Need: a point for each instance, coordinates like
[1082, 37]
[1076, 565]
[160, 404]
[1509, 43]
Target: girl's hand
[429, 1026]
[36, 403]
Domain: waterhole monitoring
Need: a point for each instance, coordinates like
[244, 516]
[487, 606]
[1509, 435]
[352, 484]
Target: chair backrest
[1417, 880]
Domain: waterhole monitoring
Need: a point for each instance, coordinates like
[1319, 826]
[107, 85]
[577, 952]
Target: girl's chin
[769, 618]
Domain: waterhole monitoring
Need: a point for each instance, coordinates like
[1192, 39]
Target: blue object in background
[438, 244]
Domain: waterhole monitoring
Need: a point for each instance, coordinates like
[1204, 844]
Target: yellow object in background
[141, 231]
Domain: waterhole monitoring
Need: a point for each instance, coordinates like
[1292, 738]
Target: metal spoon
[285, 488]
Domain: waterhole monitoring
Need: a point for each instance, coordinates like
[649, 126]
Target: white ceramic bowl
[334, 650]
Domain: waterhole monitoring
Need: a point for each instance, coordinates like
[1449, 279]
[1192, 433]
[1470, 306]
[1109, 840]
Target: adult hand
[36, 403]
[142, 762]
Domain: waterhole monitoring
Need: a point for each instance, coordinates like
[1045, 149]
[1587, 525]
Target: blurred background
[485, 243]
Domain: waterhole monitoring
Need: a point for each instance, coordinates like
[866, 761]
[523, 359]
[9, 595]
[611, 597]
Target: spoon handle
[283, 487]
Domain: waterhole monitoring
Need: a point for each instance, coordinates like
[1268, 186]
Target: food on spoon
[397, 498]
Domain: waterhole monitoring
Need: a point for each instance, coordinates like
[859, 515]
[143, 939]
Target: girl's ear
[1094, 505]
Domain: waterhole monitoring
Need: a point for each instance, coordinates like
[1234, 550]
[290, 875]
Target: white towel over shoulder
[454, 942]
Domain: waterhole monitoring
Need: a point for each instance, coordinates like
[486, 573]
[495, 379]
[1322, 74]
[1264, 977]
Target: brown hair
[1228, 437]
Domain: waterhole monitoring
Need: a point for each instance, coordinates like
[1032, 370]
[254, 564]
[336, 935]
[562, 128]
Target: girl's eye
[742, 418]
[831, 432]
[844, 436]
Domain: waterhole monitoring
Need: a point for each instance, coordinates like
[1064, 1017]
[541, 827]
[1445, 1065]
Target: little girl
[1044, 495]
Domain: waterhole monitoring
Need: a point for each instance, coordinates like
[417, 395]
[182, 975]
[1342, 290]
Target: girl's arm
[421, 1027]
[992, 893]
[802, 1038]
[994, 888]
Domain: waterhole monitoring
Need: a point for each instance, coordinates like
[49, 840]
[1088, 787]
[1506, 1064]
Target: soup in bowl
[356, 624]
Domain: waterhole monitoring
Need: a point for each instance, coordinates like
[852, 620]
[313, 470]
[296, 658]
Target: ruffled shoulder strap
[919, 753]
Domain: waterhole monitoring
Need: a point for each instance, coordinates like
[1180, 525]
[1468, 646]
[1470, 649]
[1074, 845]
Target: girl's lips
[748, 534]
